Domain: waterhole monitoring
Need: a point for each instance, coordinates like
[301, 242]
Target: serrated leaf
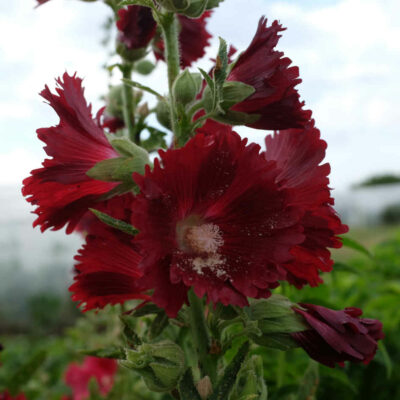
[353, 244]
[226, 383]
[138, 85]
[187, 388]
[115, 223]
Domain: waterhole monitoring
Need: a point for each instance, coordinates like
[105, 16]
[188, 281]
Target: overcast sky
[348, 52]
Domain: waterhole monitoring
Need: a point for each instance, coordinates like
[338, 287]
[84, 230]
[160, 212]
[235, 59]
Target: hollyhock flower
[215, 216]
[77, 377]
[107, 269]
[298, 153]
[136, 26]
[61, 190]
[275, 98]
[193, 39]
[338, 336]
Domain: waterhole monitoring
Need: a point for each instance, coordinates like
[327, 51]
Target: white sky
[348, 52]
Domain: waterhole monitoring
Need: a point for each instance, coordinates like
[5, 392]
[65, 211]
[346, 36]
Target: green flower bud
[130, 55]
[163, 114]
[160, 364]
[186, 87]
[250, 384]
[174, 5]
[115, 103]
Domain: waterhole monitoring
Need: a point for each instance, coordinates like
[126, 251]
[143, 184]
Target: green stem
[201, 336]
[128, 102]
[172, 58]
[280, 373]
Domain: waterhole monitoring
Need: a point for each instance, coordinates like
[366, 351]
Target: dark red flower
[338, 336]
[136, 26]
[77, 377]
[213, 215]
[107, 269]
[61, 190]
[40, 2]
[298, 153]
[113, 124]
[275, 98]
[193, 39]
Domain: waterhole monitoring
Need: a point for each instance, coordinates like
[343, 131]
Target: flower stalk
[129, 102]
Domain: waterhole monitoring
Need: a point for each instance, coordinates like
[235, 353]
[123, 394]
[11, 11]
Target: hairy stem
[172, 58]
[128, 102]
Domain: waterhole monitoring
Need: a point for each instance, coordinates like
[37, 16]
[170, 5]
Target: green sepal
[174, 5]
[237, 118]
[273, 307]
[196, 8]
[147, 309]
[158, 325]
[279, 341]
[115, 223]
[226, 383]
[187, 388]
[117, 353]
[234, 92]
[250, 384]
[213, 4]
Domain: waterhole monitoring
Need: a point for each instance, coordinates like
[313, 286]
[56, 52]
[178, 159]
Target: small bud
[186, 87]
[143, 110]
[160, 364]
[174, 5]
[163, 114]
[144, 67]
[204, 387]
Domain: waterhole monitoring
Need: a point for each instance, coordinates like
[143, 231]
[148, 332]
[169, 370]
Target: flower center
[201, 242]
[205, 238]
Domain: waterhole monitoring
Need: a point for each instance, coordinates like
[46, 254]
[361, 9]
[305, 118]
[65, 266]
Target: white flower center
[205, 238]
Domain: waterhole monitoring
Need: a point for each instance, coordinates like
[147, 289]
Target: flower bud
[174, 5]
[144, 67]
[160, 364]
[186, 87]
[163, 114]
[130, 54]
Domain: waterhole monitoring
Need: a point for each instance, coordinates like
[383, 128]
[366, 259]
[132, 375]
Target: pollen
[206, 238]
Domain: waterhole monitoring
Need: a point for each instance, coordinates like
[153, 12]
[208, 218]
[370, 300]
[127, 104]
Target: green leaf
[221, 67]
[386, 359]
[25, 372]
[187, 388]
[339, 266]
[147, 309]
[207, 78]
[353, 244]
[142, 87]
[237, 118]
[226, 384]
[115, 223]
[213, 3]
[112, 352]
[309, 383]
